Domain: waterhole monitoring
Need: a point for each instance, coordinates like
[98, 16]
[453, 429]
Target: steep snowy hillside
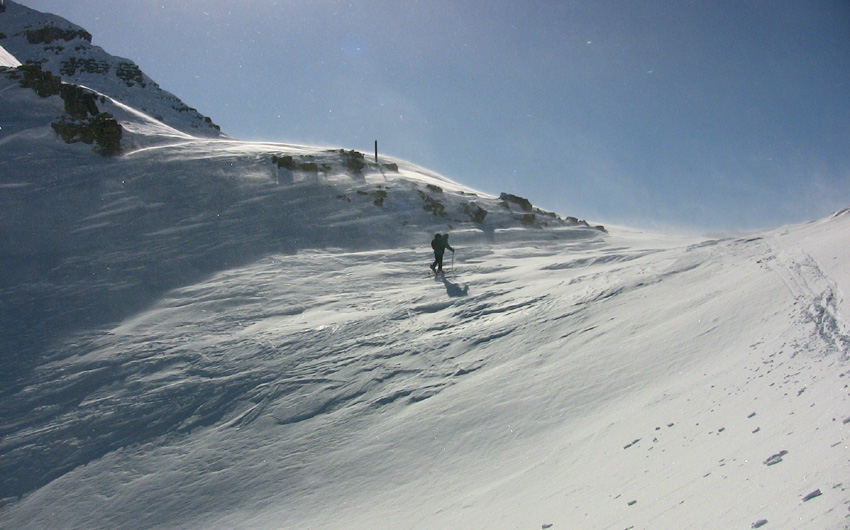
[66, 50]
[88, 239]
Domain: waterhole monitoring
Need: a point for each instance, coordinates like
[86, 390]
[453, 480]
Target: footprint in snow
[775, 459]
[812, 495]
[631, 444]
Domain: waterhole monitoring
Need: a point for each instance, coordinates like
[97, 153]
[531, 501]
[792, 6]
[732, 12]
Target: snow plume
[207, 333]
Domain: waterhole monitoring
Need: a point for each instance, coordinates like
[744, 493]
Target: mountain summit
[66, 50]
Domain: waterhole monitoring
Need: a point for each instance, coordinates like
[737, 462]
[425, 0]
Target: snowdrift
[199, 332]
[633, 380]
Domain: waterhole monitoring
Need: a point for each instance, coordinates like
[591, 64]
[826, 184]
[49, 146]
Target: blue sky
[704, 115]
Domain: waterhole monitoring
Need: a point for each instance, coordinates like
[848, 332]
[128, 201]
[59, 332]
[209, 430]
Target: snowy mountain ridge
[199, 332]
[65, 50]
[172, 206]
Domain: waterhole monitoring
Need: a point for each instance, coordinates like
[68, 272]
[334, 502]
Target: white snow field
[203, 333]
[7, 59]
[624, 381]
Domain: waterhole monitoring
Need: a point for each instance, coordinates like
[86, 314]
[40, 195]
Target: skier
[440, 243]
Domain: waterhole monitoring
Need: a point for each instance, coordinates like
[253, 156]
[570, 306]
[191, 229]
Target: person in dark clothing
[440, 243]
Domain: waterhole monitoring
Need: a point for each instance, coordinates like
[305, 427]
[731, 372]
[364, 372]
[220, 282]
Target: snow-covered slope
[634, 381]
[207, 333]
[89, 239]
[66, 50]
[85, 236]
[7, 59]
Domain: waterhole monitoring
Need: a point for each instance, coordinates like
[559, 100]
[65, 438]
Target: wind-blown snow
[637, 381]
[195, 336]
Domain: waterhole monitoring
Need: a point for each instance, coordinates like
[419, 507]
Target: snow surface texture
[206, 333]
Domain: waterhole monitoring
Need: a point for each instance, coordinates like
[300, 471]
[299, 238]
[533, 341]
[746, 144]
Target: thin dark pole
[376, 151]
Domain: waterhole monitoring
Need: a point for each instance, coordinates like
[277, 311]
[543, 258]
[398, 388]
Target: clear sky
[703, 114]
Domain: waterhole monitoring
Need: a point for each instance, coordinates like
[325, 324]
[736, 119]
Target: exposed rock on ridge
[66, 50]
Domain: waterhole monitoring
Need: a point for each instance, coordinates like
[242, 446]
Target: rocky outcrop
[48, 34]
[66, 50]
[42, 83]
[130, 73]
[101, 130]
[353, 161]
[523, 203]
[432, 205]
[476, 213]
[72, 65]
[349, 161]
[83, 121]
[79, 102]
